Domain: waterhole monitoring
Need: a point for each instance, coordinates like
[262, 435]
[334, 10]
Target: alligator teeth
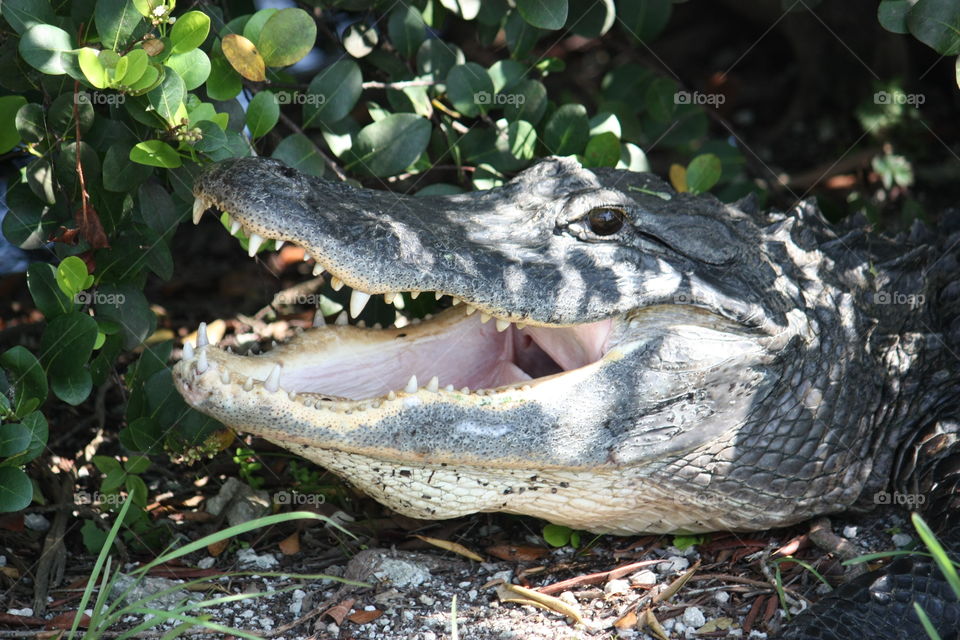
[358, 300]
[278, 243]
[414, 295]
[342, 319]
[471, 310]
[224, 376]
[272, 383]
[484, 317]
[199, 206]
[336, 283]
[411, 385]
[438, 295]
[449, 387]
[202, 361]
[235, 227]
[255, 242]
[502, 325]
[455, 301]
[317, 269]
[434, 384]
[465, 390]
[377, 326]
[521, 326]
[389, 297]
[187, 351]
[202, 335]
[361, 324]
[318, 320]
[248, 385]
[391, 395]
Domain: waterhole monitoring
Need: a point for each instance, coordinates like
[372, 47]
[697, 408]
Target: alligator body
[613, 355]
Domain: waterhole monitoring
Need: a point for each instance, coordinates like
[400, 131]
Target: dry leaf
[65, 621]
[291, 544]
[677, 584]
[216, 548]
[717, 624]
[678, 177]
[529, 596]
[626, 621]
[455, 547]
[363, 616]
[11, 572]
[517, 553]
[340, 611]
[244, 57]
[649, 621]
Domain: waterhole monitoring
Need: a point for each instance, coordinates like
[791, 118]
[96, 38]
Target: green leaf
[591, 18]
[9, 136]
[193, 67]
[72, 277]
[602, 151]
[137, 464]
[67, 342]
[27, 376]
[41, 47]
[16, 490]
[435, 58]
[263, 112]
[23, 14]
[149, 79]
[71, 386]
[332, 93]
[36, 426]
[644, 19]
[137, 489]
[116, 21]
[287, 37]
[30, 122]
[167, 99]
[470, 89]
[189, 32]
[520, 34]
[567, 131]
[42, 283]
[661, 99]
[223, 83]
[119, 174]
[526, 101]
[892, 15]
[407, 29]
[126, 305]
[516, 143]
[936, 23]
[389, 146]
[30, 221]
[14, 438]
[557, 535]
[544, 14]
[253, 27]
[94, 538]
[93, 69]
[703, 172]
[155, 153]
[299, 152]
[506, 73]
[136, 65]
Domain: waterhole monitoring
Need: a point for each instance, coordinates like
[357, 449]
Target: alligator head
[612, 355]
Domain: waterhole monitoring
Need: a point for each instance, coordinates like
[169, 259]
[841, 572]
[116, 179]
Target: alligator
[608, 354]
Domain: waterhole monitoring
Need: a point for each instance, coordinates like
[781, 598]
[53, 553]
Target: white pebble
[901, 539]
[644, 577]
[693, 617]
[616, 586]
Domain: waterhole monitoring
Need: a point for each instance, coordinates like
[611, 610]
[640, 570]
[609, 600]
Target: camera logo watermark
[95, 497]
[499, 99]
[296, 498]
[895, 297]
[698, 98]
[99, 298]
[98, 97]
[299, 97]
[899, 97]
[897, 498]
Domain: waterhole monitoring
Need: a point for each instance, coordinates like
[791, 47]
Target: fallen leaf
[506, 593]
[626, 621]
[678, 177]
[88, 222]
[218, 547]
[291, 544]
[517, 553]
[455, 547]
[339, 612]
[11, 572]
[677, 584]
[65, 621]
[649, 621]
[717, 624]
[363, 616]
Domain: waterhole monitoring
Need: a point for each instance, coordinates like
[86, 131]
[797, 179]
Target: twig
[329, 162]
[401, 84]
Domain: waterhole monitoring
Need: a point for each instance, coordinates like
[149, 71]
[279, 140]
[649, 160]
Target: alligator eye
[605, 221]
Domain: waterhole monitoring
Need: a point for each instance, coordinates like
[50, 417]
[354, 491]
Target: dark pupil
[605, 221]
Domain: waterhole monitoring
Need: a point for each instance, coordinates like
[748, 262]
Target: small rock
[427, 600]
[693, 617]
[157, 593]
[428, 635]
[3, 561]
[644, 577]
[35, 522]
[472, 594]
[249, 613]
[206, 563]
[333, 629]
[506, 575]
[569, 598]
[901, 539]
[722, 597]
[242, 503]
[248, 559]
[26, 611]
[849, 531]
[674, 564]
[464, 584]
[617, 586]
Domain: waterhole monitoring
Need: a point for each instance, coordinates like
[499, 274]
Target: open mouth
[461, 349]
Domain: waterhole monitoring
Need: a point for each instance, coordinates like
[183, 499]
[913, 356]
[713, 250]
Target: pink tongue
[573, 347]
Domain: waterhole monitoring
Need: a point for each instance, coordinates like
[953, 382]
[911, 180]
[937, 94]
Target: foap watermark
[699, 98]
[902, 499]
[296, 498]
[95, 497]
[299, 97]
[99, 97]
[100, 298]
[310, 299]
[899, 97]
[499, 99]
[913, 300]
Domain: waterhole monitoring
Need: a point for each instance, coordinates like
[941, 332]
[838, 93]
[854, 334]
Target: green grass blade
[881, 555]
[925, 621]
[939, 554]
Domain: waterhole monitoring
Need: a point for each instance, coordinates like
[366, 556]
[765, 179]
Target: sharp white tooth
[248, 385]
[449, 387]
[434, 384]
[465, 390]
[336, 283]
[255, 242]
[525, 387]
[361, 324]
[389, 297]
[415, 321]
[484, 317]
[202, 335]
[199, 206]
[306, 257]
[411, 385]
[272, 383]
[292, 395]
[318, 320]
[317, 269]
[235, 227]
[342, 319]
[521, 326]
[358, 300]
[455, 301]
[502, 325]
[399, 302]
[391, 395]
[202, 361]
[414, 295]
[428, 316]
[187, 351]
[230, 350]
[377, 326]
[438, 295]
[278, 243]
[471, 310]
[224, 376]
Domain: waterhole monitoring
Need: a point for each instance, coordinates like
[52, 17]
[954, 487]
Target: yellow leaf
[529, 596]
[456, 547]
[244, 57]
[678, 177]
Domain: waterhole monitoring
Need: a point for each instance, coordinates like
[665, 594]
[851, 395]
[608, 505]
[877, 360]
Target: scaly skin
[710, 367]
